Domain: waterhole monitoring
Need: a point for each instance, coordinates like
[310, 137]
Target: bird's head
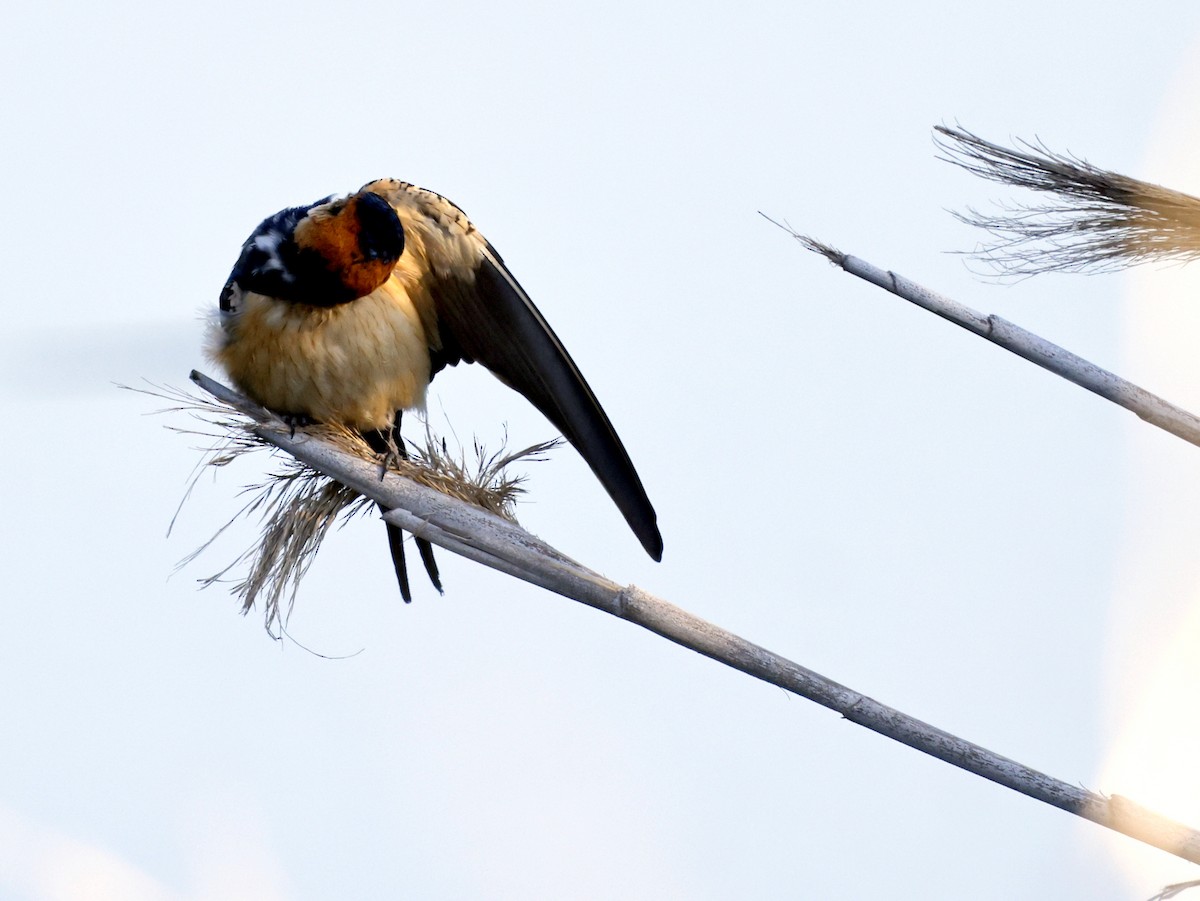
[324, 254]
[348, 246]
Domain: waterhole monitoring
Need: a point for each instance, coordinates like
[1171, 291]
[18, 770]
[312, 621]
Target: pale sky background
[839, 476]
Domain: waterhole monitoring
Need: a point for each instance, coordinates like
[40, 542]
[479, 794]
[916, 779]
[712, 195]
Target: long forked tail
[388, 443]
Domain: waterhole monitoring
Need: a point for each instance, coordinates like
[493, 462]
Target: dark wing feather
[493, 322]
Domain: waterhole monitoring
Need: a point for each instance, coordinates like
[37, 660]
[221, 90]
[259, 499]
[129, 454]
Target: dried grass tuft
[1096, 221]
[1173, 891]
[297, 505]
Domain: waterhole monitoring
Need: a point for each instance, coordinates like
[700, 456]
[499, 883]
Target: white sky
[840, 477]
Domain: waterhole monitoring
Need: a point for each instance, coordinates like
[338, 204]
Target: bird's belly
[357, 363]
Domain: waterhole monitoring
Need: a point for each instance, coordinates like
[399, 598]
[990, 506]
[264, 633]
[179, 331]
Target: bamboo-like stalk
[495, 542]
[1023, 343]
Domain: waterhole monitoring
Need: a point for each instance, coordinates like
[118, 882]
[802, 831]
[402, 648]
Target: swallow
[343, 310]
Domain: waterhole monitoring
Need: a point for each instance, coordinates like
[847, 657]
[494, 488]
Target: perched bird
[343, 310]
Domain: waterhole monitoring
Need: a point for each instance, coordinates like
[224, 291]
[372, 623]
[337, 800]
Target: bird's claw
[386, 459]
[294, 421]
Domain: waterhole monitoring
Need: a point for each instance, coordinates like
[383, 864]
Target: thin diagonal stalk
[488, 539]
[1023, 343]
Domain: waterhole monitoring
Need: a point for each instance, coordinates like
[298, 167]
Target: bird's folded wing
[493, 322]
[484, 316]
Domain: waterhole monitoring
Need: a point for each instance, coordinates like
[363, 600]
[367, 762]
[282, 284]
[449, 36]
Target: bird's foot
[387, 460]
[294, 421]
